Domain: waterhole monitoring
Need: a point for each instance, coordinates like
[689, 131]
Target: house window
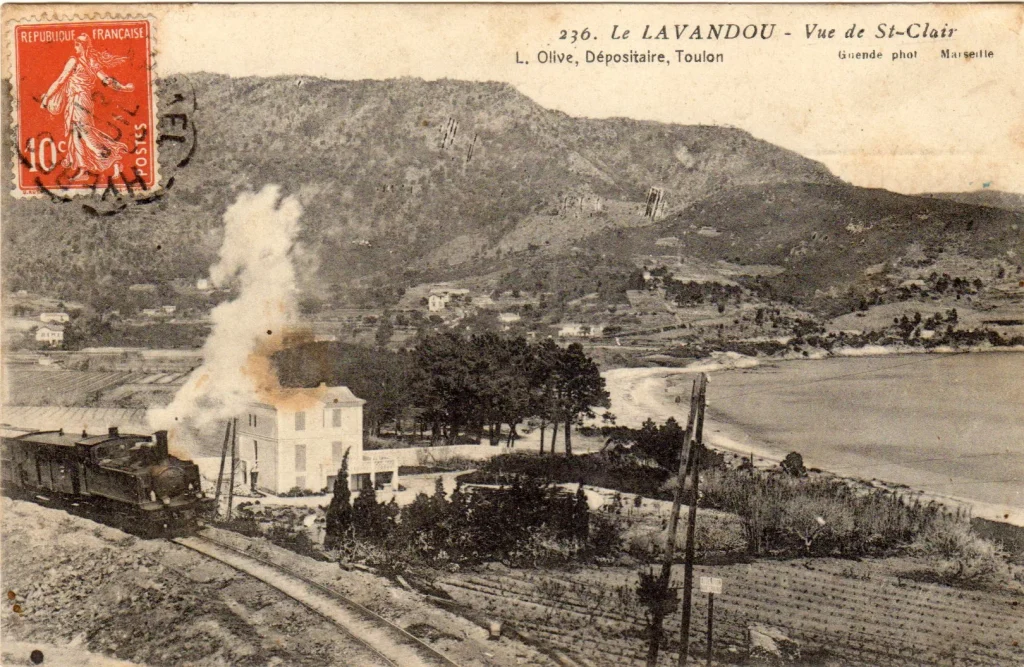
[300, 458]
[300, 421]
[336, 417]
[337, 453]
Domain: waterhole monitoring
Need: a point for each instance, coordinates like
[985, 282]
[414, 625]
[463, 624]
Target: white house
[50, 334]
[301, 441]
[54, 318]
[168, 310]
[203, 284]
[574, 330]
[439, 298]
[436, 302]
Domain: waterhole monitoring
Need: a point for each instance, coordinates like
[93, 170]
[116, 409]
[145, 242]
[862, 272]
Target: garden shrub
[962, 558]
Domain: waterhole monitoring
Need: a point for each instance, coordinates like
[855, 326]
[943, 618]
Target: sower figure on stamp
[89, 149]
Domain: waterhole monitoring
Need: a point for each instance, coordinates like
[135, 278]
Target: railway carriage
[128, 477]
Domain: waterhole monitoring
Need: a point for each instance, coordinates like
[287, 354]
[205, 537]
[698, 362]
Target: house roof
[327, 396]
[51, 327]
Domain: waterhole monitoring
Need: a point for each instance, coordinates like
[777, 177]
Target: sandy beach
[838, 430]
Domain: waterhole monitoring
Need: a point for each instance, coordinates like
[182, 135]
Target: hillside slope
[407, 180]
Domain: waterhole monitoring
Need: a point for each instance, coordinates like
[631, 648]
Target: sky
[919, 124]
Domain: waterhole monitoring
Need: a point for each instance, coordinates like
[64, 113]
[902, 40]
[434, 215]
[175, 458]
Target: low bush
[295, 540]
[296, 492]
[717, 535]
[961, 557]
[528, 523]
[785, 515]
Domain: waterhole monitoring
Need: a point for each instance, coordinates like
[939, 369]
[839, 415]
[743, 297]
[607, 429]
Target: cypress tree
[339, 512]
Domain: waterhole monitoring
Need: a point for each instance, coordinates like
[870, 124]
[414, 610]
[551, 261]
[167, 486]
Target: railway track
[390, 643]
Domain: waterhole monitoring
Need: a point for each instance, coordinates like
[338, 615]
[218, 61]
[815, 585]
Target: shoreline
[650, 391]
[720, 435]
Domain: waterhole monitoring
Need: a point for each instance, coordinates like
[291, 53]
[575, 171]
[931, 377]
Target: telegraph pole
[220, 475]
[691, 524]
[234, 448]
[670, 542]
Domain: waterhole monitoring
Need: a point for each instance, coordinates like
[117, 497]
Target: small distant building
[50, 334]
[439, 298]
[508, 318]
[142, 287]
[301, 442]
[54, 318]
[203, 284]
[152, 312]
[574, 330]
[436, 303]
[168, 310]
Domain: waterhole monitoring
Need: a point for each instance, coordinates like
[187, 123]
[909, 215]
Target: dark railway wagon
[127, 476]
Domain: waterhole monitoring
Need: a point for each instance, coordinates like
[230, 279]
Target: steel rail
[399, 638]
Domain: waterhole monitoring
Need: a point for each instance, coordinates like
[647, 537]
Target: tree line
[457, 387]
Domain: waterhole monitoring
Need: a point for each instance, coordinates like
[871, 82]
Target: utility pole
[691, 524]
[673, 527]
[231, 482]
[220, 475]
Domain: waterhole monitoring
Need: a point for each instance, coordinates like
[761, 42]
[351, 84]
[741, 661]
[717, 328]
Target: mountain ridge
[405, 180]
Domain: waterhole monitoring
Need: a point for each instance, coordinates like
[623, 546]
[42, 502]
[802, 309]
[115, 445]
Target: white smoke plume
[256, 260]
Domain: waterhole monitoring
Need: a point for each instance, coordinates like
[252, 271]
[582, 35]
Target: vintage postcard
[540, 334]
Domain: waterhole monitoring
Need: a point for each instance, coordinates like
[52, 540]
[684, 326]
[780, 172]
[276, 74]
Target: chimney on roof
[60, 432]
[84, 434]
[112, 431]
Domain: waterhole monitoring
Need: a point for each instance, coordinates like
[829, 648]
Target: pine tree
[339, 513]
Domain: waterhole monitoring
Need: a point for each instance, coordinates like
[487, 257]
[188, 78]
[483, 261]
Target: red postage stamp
[84, 110]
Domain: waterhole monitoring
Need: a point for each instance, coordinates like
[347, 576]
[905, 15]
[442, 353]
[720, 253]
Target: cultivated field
[35, 385]
[841, 612]
[43, 386]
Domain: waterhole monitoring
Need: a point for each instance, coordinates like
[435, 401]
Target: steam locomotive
[129, 480]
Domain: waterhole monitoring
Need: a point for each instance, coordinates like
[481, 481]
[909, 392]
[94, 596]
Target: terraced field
[45, 386]
[34, 385]
[840, 611]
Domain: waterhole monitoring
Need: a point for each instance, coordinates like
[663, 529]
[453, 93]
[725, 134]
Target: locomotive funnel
[161, 444]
